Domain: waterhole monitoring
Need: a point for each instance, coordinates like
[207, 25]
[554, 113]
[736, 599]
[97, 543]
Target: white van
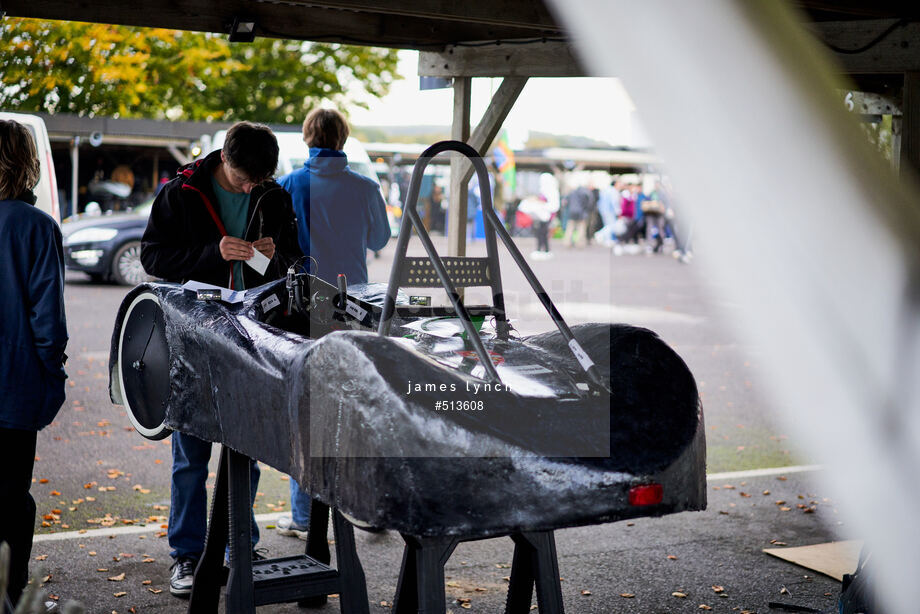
[293, 152]
[46, 191]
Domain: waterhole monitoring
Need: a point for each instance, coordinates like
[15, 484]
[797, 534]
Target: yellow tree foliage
[118, 71]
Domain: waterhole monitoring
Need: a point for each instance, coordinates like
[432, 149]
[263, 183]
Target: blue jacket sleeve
[46, 298]
[378, 229]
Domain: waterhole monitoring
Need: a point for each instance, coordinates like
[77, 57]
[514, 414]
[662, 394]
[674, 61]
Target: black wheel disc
[144, 366]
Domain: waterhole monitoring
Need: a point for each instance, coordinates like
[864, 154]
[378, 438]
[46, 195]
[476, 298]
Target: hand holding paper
[259, 260]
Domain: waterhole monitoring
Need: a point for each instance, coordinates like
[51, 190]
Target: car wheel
[127, 269]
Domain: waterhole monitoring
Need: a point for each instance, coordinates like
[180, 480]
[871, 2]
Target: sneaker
[183, 575]
[287, 526]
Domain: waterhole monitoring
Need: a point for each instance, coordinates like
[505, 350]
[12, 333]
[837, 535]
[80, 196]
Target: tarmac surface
[95, 474]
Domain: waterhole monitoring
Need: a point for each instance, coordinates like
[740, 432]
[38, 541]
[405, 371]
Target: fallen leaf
[43, 481]
[117, 578]
[586, 592]
[671, 557]
[155, 591]
[92, 553]
[120, 594]
[718, 589]
[627, 595]
[147, 582]
[679, 595]
[784, 591]
[46, 579]
[703, 606]
[41, 557]
[54, 493]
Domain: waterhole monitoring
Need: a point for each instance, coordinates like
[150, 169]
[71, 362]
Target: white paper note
[259, 261]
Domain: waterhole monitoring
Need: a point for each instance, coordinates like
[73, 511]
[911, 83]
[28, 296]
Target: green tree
[96, 69]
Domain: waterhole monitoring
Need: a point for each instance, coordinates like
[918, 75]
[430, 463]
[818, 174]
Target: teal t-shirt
[233, 209]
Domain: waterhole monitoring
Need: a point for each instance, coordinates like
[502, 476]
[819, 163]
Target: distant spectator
[653, 212]
[541, 212]
[579, 207]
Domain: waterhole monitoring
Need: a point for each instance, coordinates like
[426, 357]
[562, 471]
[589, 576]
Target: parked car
[107, 247]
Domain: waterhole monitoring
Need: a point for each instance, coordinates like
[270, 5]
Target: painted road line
[756, 473]
[130, 530]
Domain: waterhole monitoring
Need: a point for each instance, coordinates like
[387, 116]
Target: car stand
[421, 577]
[306, 578]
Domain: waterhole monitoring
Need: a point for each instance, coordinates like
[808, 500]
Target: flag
[504, 161]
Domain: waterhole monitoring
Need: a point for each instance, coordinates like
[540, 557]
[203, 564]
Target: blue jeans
[188, 512]
[300, 504]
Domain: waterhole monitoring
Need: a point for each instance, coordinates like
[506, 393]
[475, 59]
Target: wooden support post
[74, 175]
[461, 170]
[494, 117]
[910, 125]
[460, 131]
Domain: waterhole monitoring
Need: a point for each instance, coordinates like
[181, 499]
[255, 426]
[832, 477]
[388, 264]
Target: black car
[107, 247]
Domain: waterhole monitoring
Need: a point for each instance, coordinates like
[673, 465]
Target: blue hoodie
[340, 215]
[33, 330]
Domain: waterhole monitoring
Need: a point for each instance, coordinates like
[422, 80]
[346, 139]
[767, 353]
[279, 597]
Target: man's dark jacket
[182, 238]
[33, 329]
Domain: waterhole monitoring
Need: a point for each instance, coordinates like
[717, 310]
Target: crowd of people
[620, 216]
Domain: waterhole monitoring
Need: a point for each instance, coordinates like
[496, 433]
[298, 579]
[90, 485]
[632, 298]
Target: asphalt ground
[95, 473]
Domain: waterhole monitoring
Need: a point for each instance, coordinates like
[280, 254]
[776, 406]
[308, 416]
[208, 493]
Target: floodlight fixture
[243, 30]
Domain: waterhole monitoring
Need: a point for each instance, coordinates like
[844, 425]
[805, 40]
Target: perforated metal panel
[464, 272]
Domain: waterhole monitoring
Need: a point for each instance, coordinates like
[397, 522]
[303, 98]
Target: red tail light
[647, 494]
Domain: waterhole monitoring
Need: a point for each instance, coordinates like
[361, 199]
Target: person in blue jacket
[340, 215]
[33, 336]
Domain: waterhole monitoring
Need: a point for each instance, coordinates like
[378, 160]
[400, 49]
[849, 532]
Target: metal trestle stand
[251, 583]
[421, 578]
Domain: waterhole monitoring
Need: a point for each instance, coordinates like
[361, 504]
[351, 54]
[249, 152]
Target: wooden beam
[896, 53]
[487, 129]
[460, 131]
[513, 13]
[543, 59]
[861, 8]
[333, 22]
[910, 125]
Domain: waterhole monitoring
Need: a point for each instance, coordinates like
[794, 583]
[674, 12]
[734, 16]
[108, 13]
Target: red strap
[210, 208]
[215, 217]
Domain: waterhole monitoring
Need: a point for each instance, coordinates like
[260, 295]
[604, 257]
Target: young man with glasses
[205, 225]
